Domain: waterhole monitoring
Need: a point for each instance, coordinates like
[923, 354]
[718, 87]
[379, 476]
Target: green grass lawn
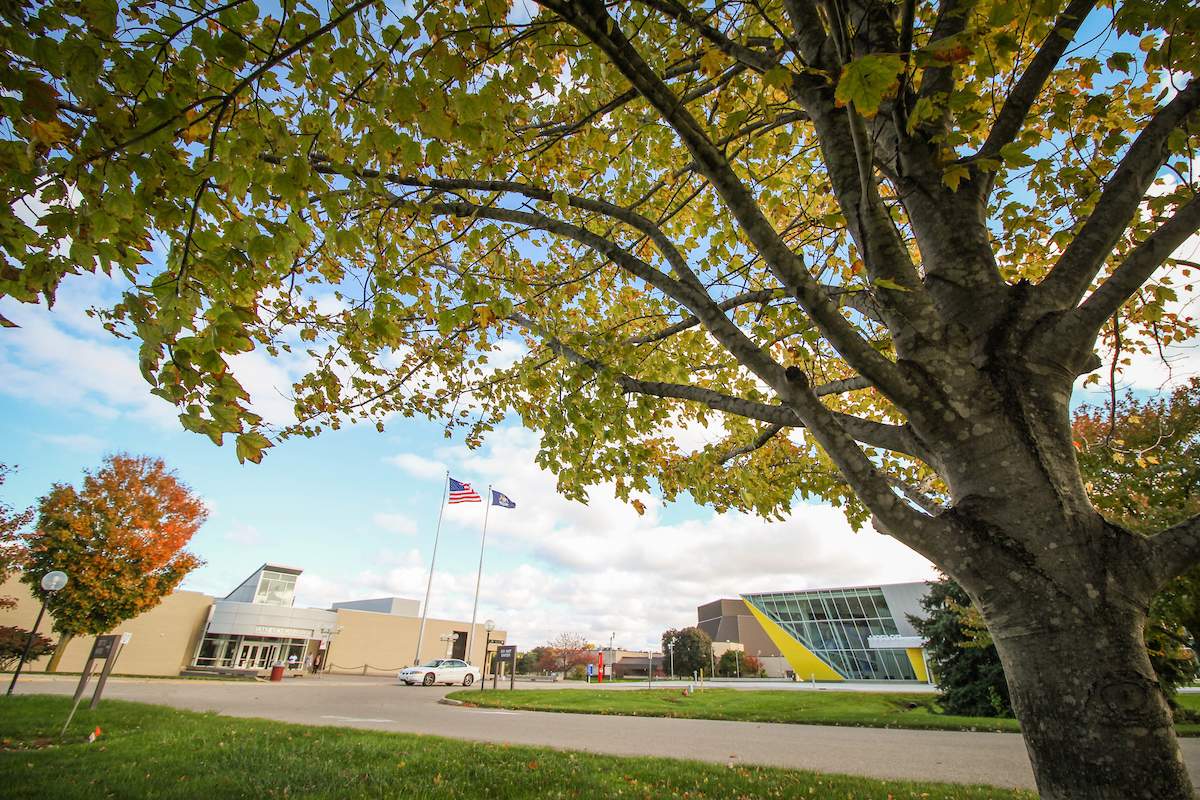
[154, 751]
[866, 709]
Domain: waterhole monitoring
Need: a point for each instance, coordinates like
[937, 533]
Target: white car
[441, 670]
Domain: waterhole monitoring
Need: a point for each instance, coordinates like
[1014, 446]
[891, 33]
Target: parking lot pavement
[382, 704]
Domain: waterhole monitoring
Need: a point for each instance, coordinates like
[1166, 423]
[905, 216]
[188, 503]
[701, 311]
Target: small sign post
[106, 647]
[506, 652]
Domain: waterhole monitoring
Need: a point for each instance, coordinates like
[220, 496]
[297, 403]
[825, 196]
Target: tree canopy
[655, 202]
[119, 537]
[690, 649]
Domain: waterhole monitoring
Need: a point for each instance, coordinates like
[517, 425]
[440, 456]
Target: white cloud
[243, 534]
[61, 357]
[73, 441]
[394, 522]
[601, 568]
[417, 466]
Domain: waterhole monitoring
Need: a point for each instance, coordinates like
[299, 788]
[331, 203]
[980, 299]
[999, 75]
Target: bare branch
[766, 435]
[809, 30]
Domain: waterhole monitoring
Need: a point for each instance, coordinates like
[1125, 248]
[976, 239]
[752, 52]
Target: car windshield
[437, 662]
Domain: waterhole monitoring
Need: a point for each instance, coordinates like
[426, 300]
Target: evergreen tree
[965, 664]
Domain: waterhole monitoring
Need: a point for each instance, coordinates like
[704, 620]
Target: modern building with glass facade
[854, 633]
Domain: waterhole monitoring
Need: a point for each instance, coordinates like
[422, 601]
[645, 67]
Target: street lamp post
[612, 655]
[51, 583]
[671, 650]
[488, 626]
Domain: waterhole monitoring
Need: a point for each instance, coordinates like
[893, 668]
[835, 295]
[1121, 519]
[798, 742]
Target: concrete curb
[446, 701]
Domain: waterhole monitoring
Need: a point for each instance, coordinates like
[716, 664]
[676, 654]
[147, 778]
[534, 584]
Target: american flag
[462, 493]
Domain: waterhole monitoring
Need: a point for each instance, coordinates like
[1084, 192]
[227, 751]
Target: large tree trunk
[59, 649]
[1095, 721]
[1064, 593]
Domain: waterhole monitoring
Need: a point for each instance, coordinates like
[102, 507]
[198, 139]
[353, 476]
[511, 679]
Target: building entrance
[257, 655]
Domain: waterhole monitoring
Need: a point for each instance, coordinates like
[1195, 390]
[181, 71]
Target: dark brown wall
[729, 620]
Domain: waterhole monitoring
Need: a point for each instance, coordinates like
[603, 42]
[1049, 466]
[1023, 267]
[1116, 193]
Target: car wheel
[467, 681]
[430, 679]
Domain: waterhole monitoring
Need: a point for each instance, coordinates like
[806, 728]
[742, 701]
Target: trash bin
[277, 671]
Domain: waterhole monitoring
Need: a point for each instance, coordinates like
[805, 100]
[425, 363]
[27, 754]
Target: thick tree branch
[869, 482]
[754, 59]
[809, 30]
[767, 434]
[686, 291]
[1084, 256]
[842, 386]
[1137, 268]
[951, 21]
[592, 20]
[1175, 550]
[923, 501]
[897, 438]
[857, 299]
[1016, 106]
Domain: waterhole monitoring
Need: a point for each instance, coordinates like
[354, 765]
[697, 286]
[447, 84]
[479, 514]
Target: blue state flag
[502, 500]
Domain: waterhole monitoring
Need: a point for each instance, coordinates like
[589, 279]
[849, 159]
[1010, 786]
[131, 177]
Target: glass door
[249, 656]
[266, 655]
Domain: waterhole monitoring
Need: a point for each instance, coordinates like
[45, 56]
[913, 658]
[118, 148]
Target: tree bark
[59, 649]
[1095, 722]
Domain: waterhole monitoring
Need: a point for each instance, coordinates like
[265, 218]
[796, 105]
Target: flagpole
[479, 575]
[437, 535]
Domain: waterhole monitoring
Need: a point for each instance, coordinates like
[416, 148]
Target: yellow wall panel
[803, 661]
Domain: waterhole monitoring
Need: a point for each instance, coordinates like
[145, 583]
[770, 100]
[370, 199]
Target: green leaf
[888, 283]
[868, 80]
[777, 76]
[250, 446]
[953, 174]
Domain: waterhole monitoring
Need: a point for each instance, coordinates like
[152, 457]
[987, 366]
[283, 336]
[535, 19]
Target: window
[275, 589]
[216, 651]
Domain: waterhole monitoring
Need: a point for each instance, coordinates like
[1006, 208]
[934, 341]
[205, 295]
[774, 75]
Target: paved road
[998, 759]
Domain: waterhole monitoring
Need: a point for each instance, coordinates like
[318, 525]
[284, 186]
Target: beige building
[257, 625]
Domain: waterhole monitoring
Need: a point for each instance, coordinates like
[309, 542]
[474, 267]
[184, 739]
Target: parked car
[441, 670]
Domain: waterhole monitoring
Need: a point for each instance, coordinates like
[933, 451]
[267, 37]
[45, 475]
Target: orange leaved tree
[119, 537]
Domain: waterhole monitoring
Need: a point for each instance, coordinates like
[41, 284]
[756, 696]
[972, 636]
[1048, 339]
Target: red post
[600, 667]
